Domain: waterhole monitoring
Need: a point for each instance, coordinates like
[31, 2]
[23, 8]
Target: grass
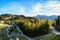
[48, 37]
[4, 38]
[57, 37]
[3, 25]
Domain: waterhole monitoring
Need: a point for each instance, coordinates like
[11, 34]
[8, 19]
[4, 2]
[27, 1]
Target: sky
[30, 7]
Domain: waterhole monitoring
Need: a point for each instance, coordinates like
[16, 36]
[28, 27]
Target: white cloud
[35, 10]
[49, 8]
[36, 7]
[53, 8]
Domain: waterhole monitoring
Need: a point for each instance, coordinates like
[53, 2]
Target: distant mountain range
[52, 17]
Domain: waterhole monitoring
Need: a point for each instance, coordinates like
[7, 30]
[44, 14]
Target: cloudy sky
[30, 7]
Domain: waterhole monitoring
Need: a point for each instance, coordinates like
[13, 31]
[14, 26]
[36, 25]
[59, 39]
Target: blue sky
[30, 7]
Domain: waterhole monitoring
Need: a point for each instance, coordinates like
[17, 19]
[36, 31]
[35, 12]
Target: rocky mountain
[52, 17]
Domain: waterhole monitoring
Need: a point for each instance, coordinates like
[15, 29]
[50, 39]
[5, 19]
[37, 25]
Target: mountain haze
[52, 17]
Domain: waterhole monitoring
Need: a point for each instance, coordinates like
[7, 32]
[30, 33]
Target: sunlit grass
[5, 38]
[50, 37]
[3, 25]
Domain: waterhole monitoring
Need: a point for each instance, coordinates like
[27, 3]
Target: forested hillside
[30, 26]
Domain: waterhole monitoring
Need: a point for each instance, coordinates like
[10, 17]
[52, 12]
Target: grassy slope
[49, 37]
[3, 25]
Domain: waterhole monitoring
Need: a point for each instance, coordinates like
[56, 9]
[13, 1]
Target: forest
[31, 26]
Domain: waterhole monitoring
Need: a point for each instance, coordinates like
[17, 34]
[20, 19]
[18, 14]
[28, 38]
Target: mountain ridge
[52, 17]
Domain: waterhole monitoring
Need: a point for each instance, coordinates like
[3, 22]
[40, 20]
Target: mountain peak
[52, 17]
